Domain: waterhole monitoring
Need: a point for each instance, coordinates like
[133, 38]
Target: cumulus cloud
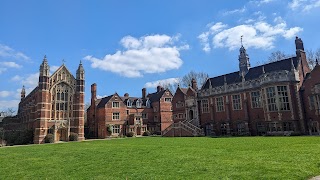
[7, 52]
[10, 64]
[144, 55]
[304, 5]
[259, 35]
[162, 82]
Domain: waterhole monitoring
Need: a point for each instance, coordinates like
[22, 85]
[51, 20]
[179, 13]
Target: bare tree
[277, 56]
[8, 112]
[200, 77]
[312, 56]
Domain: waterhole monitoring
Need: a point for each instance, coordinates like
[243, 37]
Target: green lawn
[166, 158]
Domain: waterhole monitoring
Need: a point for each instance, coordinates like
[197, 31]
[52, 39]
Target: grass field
[166, 158]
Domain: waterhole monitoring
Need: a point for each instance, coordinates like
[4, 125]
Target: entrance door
[62, 134]
[138, 131]
[191, 114]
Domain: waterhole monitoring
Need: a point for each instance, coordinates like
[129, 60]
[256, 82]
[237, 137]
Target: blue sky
[128, 45]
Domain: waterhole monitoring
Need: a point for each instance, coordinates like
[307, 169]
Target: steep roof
[253, 73]
[104, 101]
[156, 96]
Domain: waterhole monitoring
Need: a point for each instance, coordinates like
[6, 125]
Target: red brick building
[311, 100]
[55, 106]
[116, 115]
[252, 101]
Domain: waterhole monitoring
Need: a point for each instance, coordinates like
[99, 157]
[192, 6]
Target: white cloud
[295, 4]
[7, 52]
[4, 94]
[148, 54]
[10, 64]
[259, 35]
[242, 10]
[99, 97]
[312, 5]
[304, 5]
[162, 82]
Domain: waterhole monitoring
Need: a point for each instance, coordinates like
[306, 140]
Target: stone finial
[263, 71]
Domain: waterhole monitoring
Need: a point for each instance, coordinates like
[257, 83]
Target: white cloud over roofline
[145, 55]
[259, 35]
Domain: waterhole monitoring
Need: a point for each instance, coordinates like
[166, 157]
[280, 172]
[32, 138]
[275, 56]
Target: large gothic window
[61, 102]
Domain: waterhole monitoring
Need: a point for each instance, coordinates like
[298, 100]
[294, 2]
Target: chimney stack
[299, 44]
[159, 88]
[144, 93]
[194, 84]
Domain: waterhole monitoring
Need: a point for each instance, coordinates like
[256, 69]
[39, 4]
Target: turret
[80, 78]
[44, 75]
[244, 63]
[80, 72]
[44, 67]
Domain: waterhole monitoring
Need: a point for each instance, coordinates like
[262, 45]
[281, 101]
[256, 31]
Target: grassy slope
[166, 158]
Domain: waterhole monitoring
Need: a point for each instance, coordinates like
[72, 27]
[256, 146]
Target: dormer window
[138, 103]
[148, 103]
[129, 103]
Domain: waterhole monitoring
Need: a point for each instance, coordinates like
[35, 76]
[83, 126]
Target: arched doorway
[191, 114]
[62, 134]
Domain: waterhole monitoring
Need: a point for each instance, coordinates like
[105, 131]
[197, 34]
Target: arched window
[129, 103]
[138, 103]
[148, 103]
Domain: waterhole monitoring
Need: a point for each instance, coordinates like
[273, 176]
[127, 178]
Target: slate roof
[104, 101]
[253, 73]
[155, 96]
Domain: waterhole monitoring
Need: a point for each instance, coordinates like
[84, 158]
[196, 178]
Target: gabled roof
[253, 73]
[156, 96]
[104, 101]
[60, 68]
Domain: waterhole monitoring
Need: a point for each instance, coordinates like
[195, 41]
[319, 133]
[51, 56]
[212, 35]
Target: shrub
[73, 136]
[130, 134]
[19, 137]
[49, 138]
[146, 133]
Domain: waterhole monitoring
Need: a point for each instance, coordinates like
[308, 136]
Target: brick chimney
[159, 88]
[93, 94]
[144, 93]
[194, 84]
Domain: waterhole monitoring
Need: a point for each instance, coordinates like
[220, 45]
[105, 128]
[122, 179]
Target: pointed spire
[225, 79]
[80, 71]
[241, 40]
[263, 71]
[23, 92]
[210, 85]
[44, 67]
